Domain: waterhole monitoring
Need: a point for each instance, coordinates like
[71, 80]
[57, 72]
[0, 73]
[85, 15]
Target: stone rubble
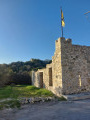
[36, 99]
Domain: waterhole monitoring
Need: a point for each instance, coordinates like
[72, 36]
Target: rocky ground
[53, 110]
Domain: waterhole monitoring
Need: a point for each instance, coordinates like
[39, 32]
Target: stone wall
[70, 69]
[57, 68]
[75, 68]
[46, 77]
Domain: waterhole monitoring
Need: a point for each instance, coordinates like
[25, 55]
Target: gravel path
[75, 110]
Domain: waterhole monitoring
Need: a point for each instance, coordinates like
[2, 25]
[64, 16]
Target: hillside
[33, 64]
[20, 72]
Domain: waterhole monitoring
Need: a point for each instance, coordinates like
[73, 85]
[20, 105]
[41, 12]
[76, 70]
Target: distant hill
[33, 64]
[20, 72]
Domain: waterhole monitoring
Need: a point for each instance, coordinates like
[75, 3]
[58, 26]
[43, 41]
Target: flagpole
[61, 29]
[61, 23]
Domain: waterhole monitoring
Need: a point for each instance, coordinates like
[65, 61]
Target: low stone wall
[37, 99]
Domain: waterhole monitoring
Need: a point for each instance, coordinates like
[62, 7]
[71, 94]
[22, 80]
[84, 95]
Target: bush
[20, 79]
[10, 104]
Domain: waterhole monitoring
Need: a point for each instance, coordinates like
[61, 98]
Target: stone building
[69, 71]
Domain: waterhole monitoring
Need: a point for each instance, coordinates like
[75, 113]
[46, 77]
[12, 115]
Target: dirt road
[76, 110]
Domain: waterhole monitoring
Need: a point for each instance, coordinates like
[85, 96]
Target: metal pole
[61, 24]
[62, 31]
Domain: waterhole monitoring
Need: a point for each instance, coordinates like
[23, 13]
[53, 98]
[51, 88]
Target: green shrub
[62, 98]
[10, 104]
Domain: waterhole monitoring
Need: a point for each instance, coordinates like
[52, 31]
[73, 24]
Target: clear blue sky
[29, 28]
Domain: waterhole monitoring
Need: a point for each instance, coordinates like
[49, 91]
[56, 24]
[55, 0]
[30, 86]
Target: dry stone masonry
[69, 72]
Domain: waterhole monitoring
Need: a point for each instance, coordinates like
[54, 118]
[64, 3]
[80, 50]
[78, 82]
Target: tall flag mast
[62, 22]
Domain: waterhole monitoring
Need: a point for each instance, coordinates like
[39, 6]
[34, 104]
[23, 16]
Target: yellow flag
[62, 19]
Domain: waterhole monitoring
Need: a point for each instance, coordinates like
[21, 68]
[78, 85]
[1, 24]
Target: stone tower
[69, 71]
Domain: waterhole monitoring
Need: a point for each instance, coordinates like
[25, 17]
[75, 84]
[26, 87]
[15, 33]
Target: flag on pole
[62, 19]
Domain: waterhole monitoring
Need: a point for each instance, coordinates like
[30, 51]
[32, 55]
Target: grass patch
[10, 104]
[23, 91]
[62, 98]
[20, 91]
